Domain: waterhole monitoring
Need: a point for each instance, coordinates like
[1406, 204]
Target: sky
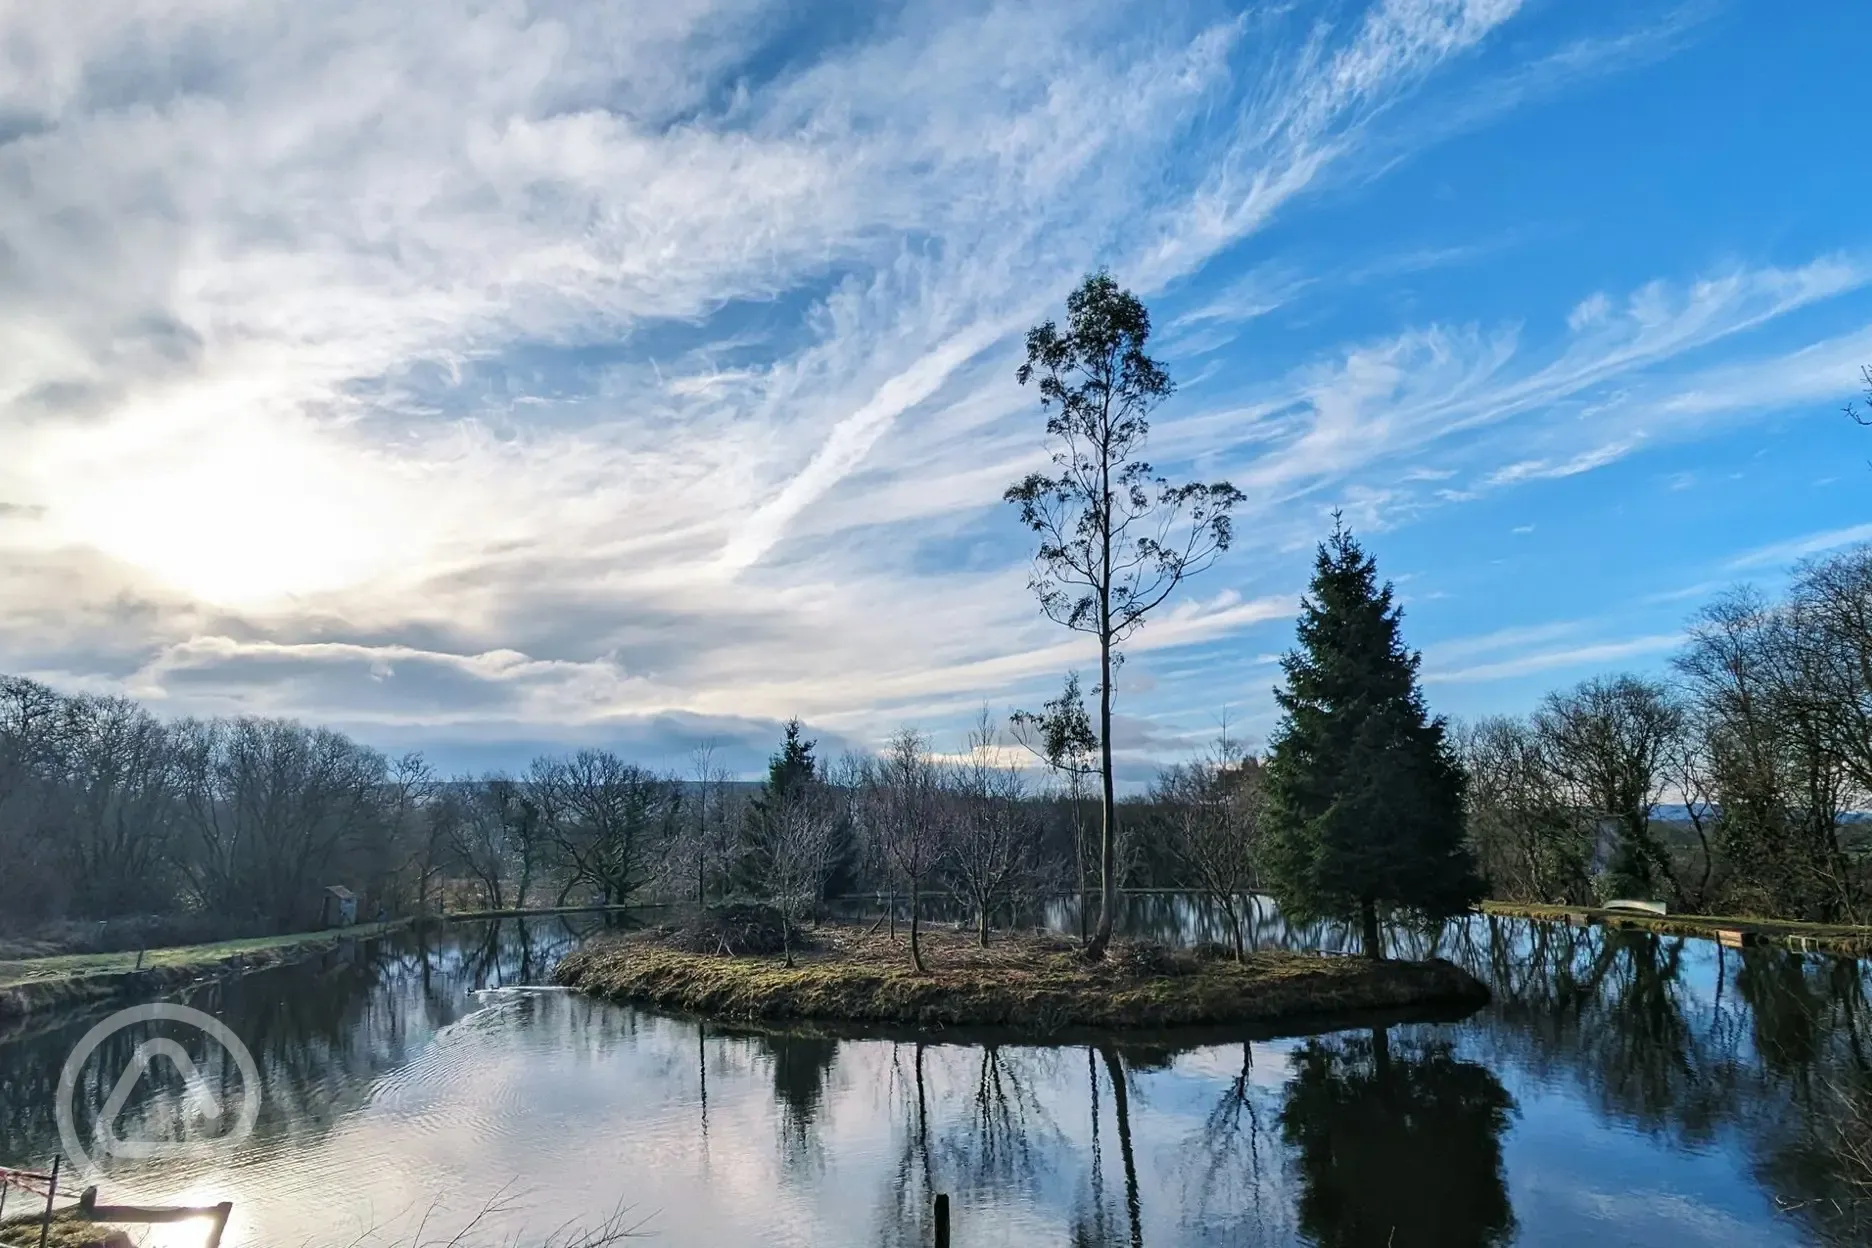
[494, 378]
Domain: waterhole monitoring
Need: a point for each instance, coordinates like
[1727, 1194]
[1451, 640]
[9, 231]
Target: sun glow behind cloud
[236, 513]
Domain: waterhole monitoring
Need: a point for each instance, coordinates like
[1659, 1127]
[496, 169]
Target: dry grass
[66, 1232]
[1030, 982]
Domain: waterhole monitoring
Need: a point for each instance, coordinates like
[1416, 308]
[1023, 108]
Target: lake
[1622, 1089]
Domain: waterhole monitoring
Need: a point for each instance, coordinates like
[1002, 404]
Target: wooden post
[942, 1220]
[45, 1227]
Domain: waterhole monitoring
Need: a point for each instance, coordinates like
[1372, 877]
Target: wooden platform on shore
[1734, 932]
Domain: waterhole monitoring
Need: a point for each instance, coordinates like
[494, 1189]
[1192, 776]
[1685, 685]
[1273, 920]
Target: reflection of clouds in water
[405, 1084]
[1655, 1216]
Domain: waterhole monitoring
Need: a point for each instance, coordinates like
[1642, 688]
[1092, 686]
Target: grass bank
[34, 984]
[465, 916]
[67, 1231]
[1843, 939]
[1026, 982]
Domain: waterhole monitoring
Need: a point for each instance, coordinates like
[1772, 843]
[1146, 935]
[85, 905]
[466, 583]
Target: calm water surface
[1622, 1089]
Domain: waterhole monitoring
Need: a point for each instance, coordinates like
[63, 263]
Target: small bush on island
[741, 930]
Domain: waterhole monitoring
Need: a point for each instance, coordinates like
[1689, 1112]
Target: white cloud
[1590, 311]
[1547, 660]
[553, 356]
[1778, 555]
[545, 364]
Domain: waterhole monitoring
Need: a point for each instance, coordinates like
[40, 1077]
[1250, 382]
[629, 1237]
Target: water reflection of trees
[1767, 1048]
[904, 1218]
[321, 1031]
[1396, 1145]
[1005, 1138]
[1757, 1051]
[1229, 1195]
[799, 1065]
[1765, 1052]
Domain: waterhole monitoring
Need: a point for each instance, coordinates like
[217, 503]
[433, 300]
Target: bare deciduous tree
[611, 821]
[268, 805]
[118, 819]
[902, 810]
[1061, 736]
[1763, 677]
[798, 833]
[995, 839]
[1211, 808]
[1607, 740]
[497, 835]
[706, 843]
[1852, 410]
[1531, 842]
[415, 830]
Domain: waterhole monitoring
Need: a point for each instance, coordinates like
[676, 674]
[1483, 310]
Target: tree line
[1364, 806]
[208, 828]
[229, 826]
[1735, 784]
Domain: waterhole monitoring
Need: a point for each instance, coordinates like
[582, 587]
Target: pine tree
[793, 766]
[1365, 794]
[788, 773]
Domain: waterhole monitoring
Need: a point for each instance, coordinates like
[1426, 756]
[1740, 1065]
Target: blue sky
[498, 377]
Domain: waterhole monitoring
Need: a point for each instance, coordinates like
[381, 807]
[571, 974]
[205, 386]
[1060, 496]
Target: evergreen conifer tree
[789, 773]
[1365, 795]
[793, 766]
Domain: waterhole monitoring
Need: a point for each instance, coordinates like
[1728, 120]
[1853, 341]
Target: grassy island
[1030, 982]
[34, 984]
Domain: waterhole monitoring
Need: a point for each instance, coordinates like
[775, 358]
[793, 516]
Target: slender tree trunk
[1374, 939]
[1121, 1105]
[982, 936]
[701, 1052]
[891, 906]
[1381, 1053]
[916, 947]
[1079, 854]
[1108, 830]
[1098, 1162]
[922, 1115]
[1709, 860]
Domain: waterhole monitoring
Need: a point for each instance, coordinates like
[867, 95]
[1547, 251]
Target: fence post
[942, 1220]
[45, 1226]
